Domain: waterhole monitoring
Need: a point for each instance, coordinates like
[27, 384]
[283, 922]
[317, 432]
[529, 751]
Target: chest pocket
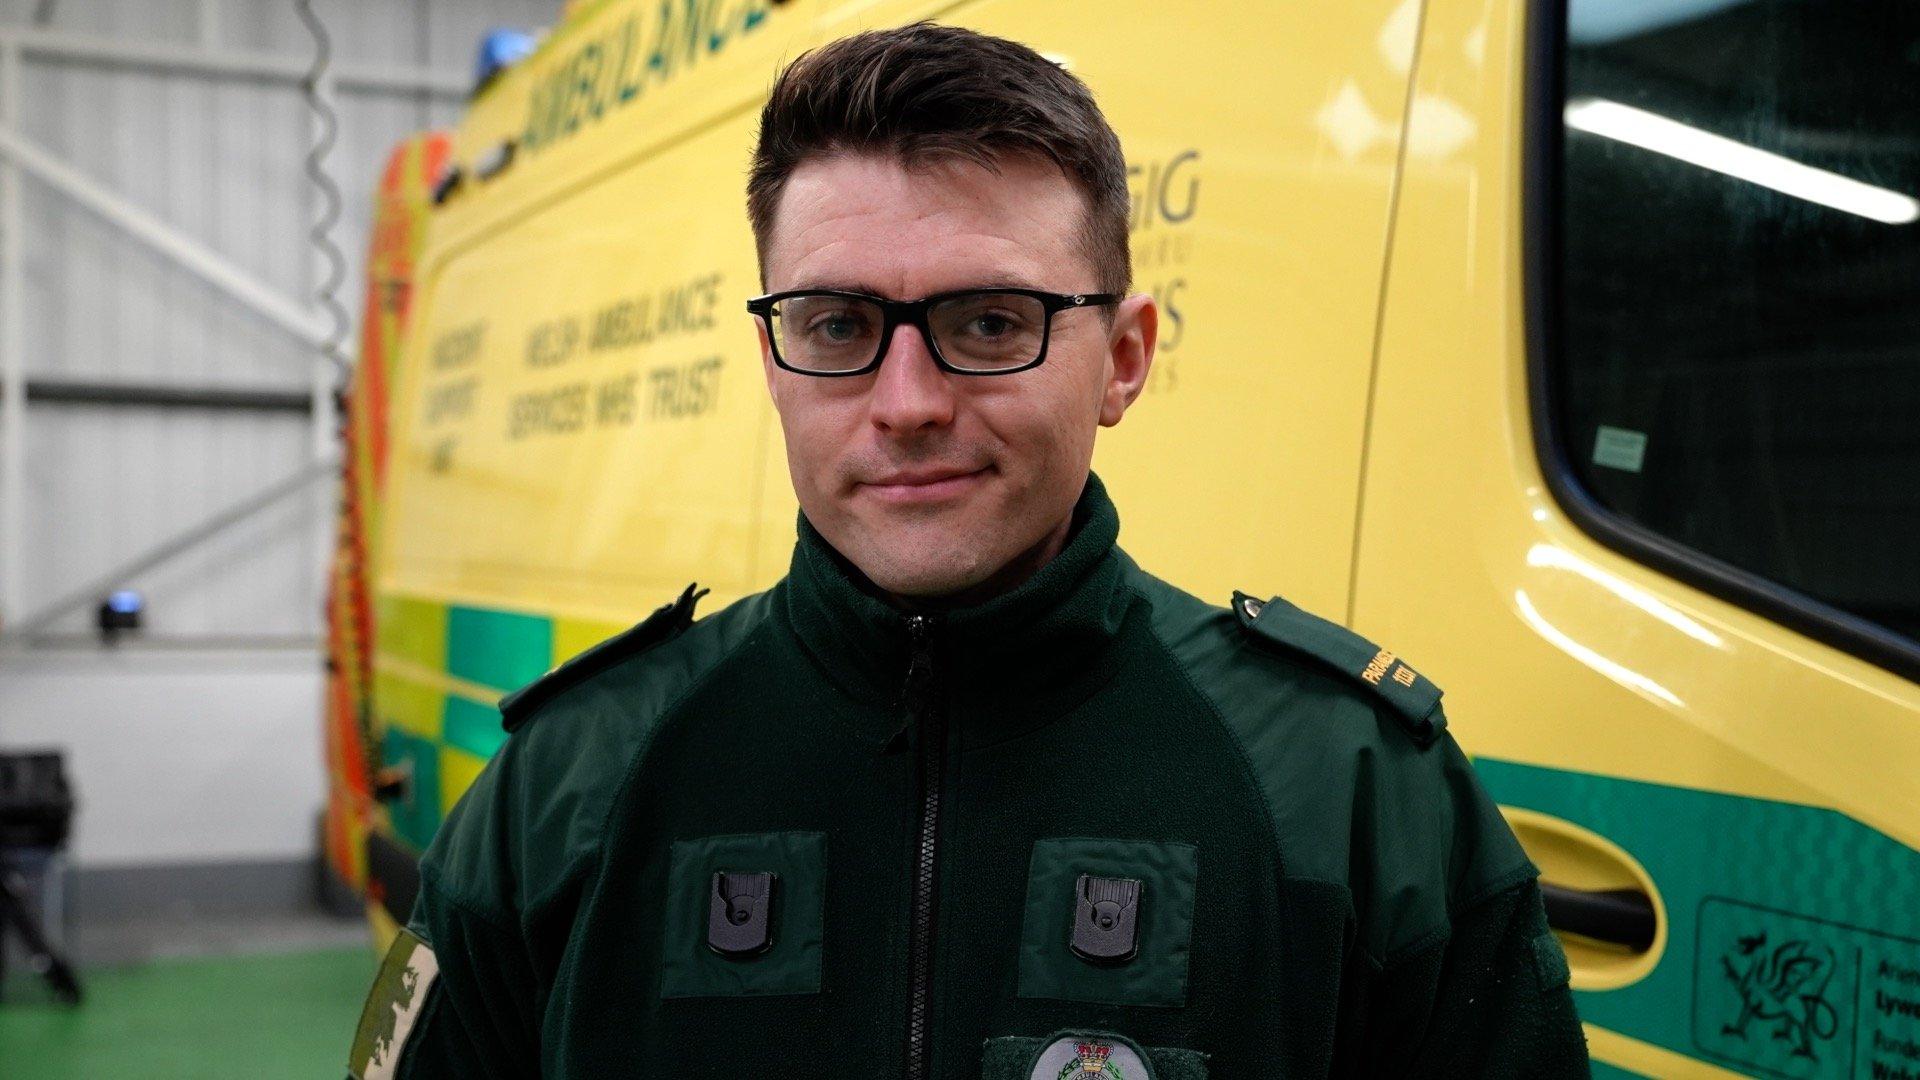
[1108, 921]
[744, 915]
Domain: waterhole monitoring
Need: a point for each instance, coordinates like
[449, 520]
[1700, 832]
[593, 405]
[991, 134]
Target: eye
[837, 327]
[995, 323]
[991, 324]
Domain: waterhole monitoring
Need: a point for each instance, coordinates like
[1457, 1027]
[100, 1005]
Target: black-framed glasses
[968, 331]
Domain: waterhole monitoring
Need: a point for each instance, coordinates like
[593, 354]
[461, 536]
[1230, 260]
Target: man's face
[933, 483]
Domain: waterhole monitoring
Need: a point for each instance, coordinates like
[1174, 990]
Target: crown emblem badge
[1088, 1055]
[1090, 1059]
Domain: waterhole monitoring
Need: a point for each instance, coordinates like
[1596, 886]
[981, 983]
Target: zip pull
[919, 663]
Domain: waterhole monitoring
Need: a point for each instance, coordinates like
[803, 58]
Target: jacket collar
[1006, 662]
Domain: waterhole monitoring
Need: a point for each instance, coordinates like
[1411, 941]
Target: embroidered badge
[1090, 1059]
[393, 1007]
[1087, 1057]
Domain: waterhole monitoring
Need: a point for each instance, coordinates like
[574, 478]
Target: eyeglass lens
[980, 331]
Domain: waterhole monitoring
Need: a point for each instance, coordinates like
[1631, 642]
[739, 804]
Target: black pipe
[258, 399]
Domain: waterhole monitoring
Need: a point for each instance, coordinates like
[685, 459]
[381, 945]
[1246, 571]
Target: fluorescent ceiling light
[1591, 23]
[1663, 135]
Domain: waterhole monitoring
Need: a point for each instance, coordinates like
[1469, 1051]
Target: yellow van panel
[581, 432]
[406, 704]
[1458, 519]
[1764, 783]
[1260, 219]
[458, 770]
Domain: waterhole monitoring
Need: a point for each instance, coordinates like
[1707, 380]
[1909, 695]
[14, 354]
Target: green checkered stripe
[441, 670]
[1786, 892]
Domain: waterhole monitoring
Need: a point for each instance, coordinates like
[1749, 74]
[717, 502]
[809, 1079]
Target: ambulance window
[1733, 359]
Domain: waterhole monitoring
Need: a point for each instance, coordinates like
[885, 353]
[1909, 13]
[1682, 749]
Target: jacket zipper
[924, 712]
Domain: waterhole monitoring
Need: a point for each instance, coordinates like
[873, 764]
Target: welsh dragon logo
[393, 1005]
[1785, 987]
[1091, 1060]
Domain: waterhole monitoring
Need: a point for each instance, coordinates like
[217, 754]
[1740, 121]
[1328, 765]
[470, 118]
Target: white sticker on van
[1620, 448]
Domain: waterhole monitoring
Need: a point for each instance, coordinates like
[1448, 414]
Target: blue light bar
[500, 50]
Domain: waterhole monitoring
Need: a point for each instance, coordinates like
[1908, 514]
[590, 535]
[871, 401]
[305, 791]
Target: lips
[924, 485]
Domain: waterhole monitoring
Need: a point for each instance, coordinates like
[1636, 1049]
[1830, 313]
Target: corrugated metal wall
[219, 158]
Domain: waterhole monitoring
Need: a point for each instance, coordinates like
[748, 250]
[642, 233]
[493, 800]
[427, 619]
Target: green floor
[265, 1017]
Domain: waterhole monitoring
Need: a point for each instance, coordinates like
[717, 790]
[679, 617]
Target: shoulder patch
[664, 624]
[1412, 696]
[393, 1008]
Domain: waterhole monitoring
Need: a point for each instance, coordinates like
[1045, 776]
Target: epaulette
[1412, 696]
[664, 624]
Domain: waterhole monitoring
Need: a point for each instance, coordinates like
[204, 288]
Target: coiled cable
[332, 346]
[351, 572]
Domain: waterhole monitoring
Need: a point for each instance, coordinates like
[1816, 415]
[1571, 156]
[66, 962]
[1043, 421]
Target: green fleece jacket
[1093, 827]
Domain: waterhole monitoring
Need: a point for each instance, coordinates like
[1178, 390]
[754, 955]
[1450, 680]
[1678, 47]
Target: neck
[1053, 610]
[1009, 577]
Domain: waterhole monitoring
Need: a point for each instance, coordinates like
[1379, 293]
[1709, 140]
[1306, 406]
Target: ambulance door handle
[1623, 917]
[393, 783]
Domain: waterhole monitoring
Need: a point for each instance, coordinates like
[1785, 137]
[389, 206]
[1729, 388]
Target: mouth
[928, 485]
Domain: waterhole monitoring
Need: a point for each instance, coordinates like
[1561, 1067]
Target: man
[968, 793]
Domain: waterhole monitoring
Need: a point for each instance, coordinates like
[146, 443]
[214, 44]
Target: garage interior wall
[198, 741]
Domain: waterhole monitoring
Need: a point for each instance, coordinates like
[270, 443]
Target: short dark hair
[926, 92]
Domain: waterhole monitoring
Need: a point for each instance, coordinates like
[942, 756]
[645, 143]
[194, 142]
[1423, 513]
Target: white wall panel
[220, 159]
[185, 752]
[248, 792]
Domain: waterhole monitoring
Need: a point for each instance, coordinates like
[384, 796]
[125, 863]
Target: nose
[910, 392]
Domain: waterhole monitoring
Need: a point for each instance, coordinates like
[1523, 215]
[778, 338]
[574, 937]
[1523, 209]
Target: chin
[925, 581]
[916, 573]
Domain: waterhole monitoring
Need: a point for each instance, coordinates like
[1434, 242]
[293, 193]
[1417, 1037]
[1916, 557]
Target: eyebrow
[999, 281]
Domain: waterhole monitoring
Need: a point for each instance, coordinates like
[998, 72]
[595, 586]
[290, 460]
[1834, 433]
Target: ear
[1136, 326]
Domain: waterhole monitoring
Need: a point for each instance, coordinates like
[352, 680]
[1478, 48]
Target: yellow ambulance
[1571, 349]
